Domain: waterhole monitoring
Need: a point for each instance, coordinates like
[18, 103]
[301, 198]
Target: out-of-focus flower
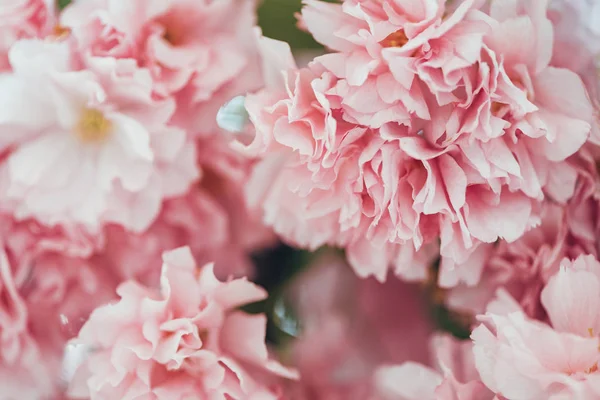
[349, 326]
[24, 19]
[87, 146]
[202, 52]
[50, 285]
[526, 359]
[187, 339]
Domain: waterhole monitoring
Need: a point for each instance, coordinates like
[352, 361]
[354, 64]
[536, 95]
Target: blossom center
[93, 126]
[396, 39]
[173, 33]
[60, 32]
[171, 37]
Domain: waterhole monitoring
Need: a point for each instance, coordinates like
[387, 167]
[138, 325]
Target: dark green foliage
[63, 3]
[275, 269]
[277, 20]
[448, 321]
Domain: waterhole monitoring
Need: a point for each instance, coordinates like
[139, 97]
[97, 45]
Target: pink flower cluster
[455, 144]
[110, 154]
[449, 150]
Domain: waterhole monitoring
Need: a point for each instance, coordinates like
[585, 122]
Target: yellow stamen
[61, 32]
[396, 39]
[93, 126]
[592, 369]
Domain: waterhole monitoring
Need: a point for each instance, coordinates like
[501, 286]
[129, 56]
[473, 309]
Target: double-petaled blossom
[426, 123]
[188, 339]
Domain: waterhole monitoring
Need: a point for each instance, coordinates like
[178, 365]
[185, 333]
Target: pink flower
[512, 352]
[188, 339]
[376, 193]
[455, 376]
[87, 146]
[424, 124]
[23, 19]
[325, 206]
[202, 52]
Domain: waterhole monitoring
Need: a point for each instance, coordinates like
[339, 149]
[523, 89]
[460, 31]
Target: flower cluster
[188, 213]
[110, 154]
[454, 144]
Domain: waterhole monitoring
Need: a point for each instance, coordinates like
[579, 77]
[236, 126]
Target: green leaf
[277, 20]
[63, 3]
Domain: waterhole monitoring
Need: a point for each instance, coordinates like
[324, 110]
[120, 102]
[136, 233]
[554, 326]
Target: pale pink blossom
[518, 357]
[187, 339]
[476, 137]
[331, 212]
[87, 146]
[382, 195]
[201, 52]
[24, 19]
